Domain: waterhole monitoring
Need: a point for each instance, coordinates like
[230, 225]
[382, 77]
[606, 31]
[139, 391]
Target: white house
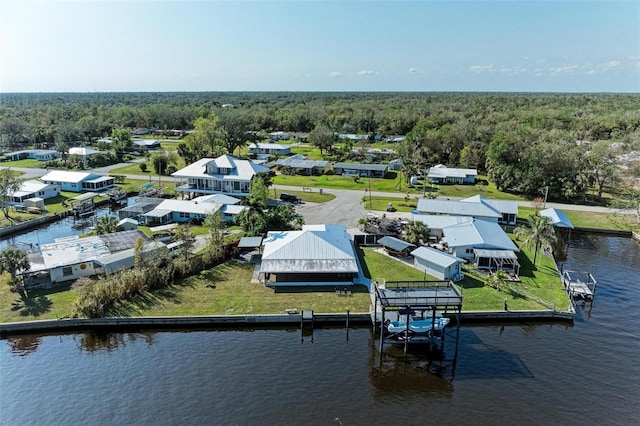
[463, 238]
[478, 207]
[557, 217]
[83, 152]
[78, 181]
[300, 165]
[264, 151]
[146, 144]
[442, 174]
[180, 211]
[317, 255]
[438, 264]
[225, 174]
[437, 222]
[34, 189]
[279, 136]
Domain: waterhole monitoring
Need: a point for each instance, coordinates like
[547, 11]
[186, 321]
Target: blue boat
[425, 327]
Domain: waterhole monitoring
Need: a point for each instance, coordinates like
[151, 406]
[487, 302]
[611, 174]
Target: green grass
[235, 294]
[41, 304]
[134, 169]
[381, 203]
[30, 163]
[311, 197]
[583, 219]
[377, 266]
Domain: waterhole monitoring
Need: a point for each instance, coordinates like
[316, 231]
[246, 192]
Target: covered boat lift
[406, 298]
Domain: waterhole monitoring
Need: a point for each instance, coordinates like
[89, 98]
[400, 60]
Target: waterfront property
[363, 170]
[317, 255]
[396, 246]
[198, 209]
[442, 174]
[34, 189]
[436, 223]
[78, 181]
[461, 239]
[224, 175]
[479, 207]
[70, 258]
[437, 263]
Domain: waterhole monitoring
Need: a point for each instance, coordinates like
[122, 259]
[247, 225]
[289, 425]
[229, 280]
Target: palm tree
[106, 225]
[416, 232]
[539, 231]
[13, 260]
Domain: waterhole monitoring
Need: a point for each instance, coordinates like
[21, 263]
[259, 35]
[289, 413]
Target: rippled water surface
[585, 373]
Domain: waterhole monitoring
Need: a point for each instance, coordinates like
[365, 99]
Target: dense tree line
[524, 142]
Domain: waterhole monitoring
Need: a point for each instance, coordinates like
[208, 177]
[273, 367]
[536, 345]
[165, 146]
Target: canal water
[47, 233]
[538, 374]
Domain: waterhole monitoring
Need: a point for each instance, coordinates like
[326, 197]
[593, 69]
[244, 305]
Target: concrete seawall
[251, 321]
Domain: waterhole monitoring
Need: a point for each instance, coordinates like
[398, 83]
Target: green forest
[569, 145]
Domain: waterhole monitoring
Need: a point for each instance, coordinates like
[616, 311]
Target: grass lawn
[311, 197]
[582, 219]
[134, 169]
[40, 305]
[381, 203]
[30, 163]
[388, 184]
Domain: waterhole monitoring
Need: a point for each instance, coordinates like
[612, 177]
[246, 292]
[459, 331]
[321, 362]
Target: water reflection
[96, 341]
[24, 345]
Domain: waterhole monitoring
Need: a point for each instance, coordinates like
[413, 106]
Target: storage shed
[438, 264]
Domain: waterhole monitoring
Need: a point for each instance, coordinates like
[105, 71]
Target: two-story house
[222, 175]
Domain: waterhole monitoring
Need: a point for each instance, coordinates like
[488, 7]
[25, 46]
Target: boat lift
[395, 299]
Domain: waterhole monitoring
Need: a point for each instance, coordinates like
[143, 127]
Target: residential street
[345, 209]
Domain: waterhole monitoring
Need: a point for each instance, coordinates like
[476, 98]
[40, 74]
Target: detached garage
[437, 263]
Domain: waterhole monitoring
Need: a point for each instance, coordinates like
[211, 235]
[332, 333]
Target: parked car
[289, 198]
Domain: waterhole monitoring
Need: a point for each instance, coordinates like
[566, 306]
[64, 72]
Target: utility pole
[370, 205]
[546, 194]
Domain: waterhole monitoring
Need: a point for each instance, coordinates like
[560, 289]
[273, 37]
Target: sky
[477, 46]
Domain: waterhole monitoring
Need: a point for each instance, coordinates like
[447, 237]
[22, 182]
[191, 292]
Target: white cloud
[335, 74]
[413, 70]
[365, 72]
[482, 68]
[564, 69]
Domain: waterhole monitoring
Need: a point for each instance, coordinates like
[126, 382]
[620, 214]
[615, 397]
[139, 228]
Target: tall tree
[601, 159]
[14, 133]
[538, 232]
[215, 223]
[13, 260]
[205, 141]
[161, 161]
[234, 130]
[184, 234]
[322, 137]
[121, 141]
[9, 183]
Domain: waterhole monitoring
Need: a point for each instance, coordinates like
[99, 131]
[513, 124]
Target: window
[67, 271]
[184, 214]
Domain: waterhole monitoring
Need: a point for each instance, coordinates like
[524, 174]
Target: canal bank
[250, 321]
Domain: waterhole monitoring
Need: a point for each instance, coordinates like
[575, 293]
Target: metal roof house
[147, 144]
[279, 136]
[34, 189]
[357, 169]
[263, 151]
[181, 211]
[442, 174]
[437, 263]
[396, 246]
[38, 154]
[318, 255]
[222, 175]
[478, 207]
[557, 217]
[83, 152]
[437, 222]
[300, 165]
[463, 238]
[78, 181]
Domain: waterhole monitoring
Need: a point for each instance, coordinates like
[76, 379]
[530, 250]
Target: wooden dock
[579, 285]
